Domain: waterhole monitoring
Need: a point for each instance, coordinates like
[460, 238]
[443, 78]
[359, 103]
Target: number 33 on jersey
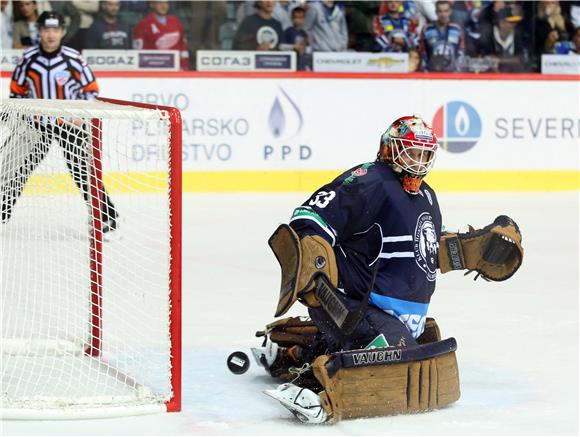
[322, 199]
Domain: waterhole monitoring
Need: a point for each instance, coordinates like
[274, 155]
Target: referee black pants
[74, 143]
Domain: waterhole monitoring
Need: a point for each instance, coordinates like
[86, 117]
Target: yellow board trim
[442, 181]
[274, 181]
[504, 180]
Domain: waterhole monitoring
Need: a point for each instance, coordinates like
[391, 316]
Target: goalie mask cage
[91, 320]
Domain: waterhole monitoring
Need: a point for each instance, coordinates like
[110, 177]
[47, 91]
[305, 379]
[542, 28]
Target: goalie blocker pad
[386, 381]
[301, 261]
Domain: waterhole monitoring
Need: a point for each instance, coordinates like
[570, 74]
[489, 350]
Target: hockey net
[90, 254]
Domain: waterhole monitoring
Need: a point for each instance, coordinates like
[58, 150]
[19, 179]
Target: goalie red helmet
[409, 146]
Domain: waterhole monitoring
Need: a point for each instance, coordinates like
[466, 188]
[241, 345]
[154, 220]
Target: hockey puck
[238, 363]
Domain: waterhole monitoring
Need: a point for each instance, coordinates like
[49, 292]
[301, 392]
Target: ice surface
[517, 340]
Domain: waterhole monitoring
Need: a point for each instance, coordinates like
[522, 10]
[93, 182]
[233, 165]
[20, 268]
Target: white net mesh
[84, 260]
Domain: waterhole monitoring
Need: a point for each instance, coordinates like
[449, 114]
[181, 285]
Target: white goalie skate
[303, 403]
[266, 355]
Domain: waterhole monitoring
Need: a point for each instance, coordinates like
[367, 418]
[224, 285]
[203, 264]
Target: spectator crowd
[444, 35]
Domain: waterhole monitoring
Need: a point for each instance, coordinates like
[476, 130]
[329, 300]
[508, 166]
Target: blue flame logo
[276, 120]
[283, 109]
[458, 126]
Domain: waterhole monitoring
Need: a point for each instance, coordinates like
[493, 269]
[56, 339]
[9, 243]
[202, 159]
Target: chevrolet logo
[385, 62]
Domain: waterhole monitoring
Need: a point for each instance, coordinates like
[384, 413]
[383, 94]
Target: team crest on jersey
[61, 77]
[426, 245]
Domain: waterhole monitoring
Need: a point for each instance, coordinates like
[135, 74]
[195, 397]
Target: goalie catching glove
[495, 251]
[289, 344]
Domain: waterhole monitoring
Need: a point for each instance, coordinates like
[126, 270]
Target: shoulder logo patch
[361, 171]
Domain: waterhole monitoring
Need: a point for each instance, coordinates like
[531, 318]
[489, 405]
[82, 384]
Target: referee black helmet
[50, 19]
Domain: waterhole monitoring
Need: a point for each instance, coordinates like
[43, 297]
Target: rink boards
[292, 132]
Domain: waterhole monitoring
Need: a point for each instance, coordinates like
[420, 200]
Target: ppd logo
[457, 126]
[285, 119]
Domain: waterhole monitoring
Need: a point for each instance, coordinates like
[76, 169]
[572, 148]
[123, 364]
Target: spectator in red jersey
[161, 31]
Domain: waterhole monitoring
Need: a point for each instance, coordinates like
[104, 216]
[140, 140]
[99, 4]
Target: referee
[53, 71]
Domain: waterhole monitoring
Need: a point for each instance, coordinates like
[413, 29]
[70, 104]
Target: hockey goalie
[362, 254]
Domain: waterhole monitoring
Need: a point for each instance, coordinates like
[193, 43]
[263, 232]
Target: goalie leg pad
[431, 333]
[381, 390]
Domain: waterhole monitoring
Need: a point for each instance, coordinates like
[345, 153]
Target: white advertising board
[332, 124]
[561, 64]
[360, 62]
[239, 124]
[111, 60]
[123, 60]
[9, 59]
[240, 60]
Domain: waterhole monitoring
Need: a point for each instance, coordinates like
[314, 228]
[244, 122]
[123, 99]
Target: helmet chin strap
[396, 168]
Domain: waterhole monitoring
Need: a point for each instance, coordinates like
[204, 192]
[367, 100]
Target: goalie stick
[346, 320]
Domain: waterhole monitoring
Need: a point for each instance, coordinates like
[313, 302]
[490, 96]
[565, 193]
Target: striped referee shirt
[62, 75]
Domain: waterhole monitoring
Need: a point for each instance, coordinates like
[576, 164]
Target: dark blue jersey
[368, 218]
[294, 36]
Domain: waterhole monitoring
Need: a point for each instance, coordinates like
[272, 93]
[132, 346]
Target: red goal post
[175, 192]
